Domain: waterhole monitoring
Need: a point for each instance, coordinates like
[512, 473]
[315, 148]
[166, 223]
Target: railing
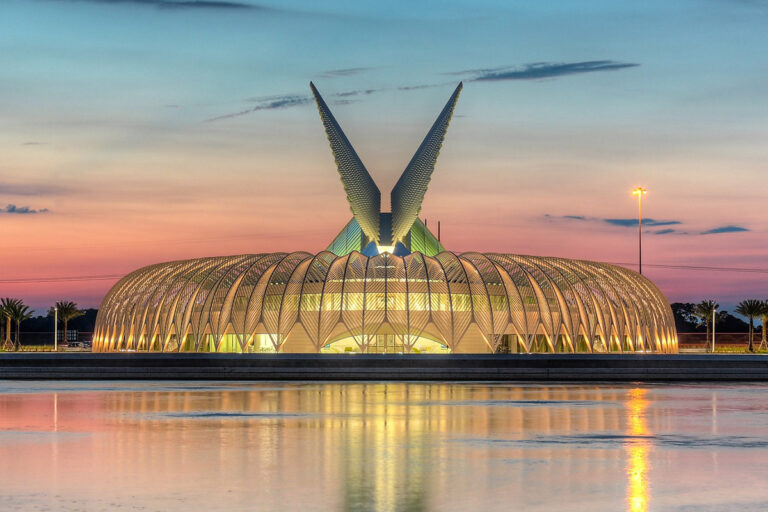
[46, 338]
[721, 338]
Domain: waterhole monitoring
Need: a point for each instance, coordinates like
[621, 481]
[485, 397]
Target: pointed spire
[408, 193]
[363, 195]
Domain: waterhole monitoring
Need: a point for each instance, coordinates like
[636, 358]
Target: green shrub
[731, 349]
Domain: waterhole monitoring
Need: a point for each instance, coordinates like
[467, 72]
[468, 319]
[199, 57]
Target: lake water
[176, 446]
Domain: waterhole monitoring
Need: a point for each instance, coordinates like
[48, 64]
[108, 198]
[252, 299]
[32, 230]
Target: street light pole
[55, 329]
[714, 322]
[640, 192]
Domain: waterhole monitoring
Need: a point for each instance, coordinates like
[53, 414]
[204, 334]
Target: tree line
[14, 313]
[699, 317]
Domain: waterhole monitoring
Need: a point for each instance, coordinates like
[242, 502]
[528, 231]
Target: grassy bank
[34, 348]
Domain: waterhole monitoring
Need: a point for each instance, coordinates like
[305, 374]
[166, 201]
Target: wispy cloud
[176, 4]
[277, 102]
[540, 70]
[292, 100]
[31, 189]
[356, 93]
[533, 71]
[628, 223]
[271, 103]
[424, 86]
[335, 73]
[21, 210]
[647, 223]
[33, 143]
[724, 229]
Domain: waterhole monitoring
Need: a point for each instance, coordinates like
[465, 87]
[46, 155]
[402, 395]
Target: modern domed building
[385, 284]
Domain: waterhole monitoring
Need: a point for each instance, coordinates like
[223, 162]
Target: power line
[701, 268]
[79, 247]
[25, 280]
[107, 277]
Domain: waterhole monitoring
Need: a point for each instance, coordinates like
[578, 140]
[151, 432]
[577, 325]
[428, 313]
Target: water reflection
[371, 446]
[638, 447]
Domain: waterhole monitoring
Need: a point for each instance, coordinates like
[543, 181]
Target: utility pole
[639, 192]
[56, 329]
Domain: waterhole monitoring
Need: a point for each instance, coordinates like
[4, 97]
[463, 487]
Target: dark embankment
[555, 367]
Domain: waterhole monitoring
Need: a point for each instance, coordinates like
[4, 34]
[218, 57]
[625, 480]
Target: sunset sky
[140, 131]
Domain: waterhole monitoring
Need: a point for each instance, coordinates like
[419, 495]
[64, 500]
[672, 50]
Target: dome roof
[470, 302]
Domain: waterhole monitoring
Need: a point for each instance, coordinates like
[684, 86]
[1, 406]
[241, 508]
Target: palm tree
[67, 310]
[750, 308]
[704, 312]
[5, 317]
[764, 327]
[19, 312]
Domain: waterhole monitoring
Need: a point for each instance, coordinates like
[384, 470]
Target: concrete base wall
[479, 367]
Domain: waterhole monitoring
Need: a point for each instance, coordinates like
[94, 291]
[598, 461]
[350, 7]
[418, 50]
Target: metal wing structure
[362, 193]
[408, 193]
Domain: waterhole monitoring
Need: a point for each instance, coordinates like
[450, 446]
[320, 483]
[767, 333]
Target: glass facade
[350, 239]
[385, 344]
[419, 239]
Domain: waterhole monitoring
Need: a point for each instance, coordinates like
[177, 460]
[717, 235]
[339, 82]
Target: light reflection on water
[381, 446]
[637, 446]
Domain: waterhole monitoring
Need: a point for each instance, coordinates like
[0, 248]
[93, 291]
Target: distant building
[385, 284]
